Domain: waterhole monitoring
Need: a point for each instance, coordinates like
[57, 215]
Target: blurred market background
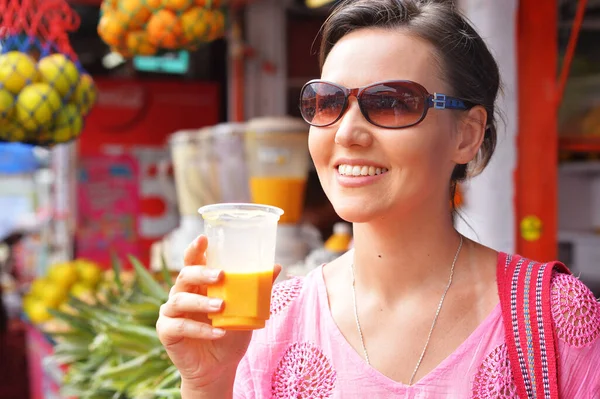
[120, 118]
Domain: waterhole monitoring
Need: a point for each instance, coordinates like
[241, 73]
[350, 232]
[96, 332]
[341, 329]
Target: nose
[353, 128]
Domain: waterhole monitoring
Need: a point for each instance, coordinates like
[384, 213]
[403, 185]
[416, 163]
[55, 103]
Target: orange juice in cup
[241, 242]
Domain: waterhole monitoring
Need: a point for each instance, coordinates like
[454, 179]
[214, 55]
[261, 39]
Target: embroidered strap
[524, 288]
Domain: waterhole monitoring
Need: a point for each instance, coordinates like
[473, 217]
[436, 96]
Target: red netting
[44, 91]
[145, 27]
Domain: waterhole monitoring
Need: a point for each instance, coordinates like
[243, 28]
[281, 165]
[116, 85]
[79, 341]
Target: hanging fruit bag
[44, 92]
[145, 27]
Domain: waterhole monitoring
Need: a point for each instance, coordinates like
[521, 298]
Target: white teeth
[357, 170]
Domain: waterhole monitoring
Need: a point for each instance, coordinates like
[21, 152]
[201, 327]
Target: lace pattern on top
[304, 372]
[284, 293]
[575, 311]
[494, 379]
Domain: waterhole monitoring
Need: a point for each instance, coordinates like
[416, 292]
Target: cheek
[319, 147]
[421, 153]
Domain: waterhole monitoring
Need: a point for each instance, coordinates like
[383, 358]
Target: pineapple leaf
[147, 284]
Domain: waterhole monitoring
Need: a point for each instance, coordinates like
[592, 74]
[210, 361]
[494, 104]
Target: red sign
[142, 113]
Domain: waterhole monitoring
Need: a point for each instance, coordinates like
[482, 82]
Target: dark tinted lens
[395, 104]
[321, 103]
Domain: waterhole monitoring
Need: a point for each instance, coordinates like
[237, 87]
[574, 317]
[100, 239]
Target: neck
[396, 256]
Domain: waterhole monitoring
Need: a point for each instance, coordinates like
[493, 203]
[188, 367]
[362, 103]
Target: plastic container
[241, 242]
[190, 169]
[340, 240]
[278, 162]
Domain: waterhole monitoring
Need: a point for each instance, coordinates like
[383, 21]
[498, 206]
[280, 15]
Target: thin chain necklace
[437, 313]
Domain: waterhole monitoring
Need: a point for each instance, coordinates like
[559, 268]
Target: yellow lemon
[7, 104]
[38, 312]
[37, 105]
[85, 94]
[63, 275]
[81, 290]
[89, 273]
[28, 301]
[17, 70]
[53, 296]
[12, 131]
[60, 73]
[37, 287]
[68, 124]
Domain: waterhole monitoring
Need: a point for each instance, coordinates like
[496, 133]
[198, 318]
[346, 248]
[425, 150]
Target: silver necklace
[437, 313]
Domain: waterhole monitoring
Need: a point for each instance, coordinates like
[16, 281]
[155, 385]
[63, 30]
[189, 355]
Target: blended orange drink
[247, 297]
[241, 242]
[283, 192]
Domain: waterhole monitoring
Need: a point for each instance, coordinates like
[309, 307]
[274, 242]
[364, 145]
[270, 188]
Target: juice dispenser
[210, 167]
[229, 162]
[278, 161]
[188, 153]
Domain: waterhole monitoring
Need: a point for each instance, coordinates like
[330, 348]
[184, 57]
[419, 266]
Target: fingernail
[215, 303]
[217, 332]
[212, 273]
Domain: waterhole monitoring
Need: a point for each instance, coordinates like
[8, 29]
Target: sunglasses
[392, 104]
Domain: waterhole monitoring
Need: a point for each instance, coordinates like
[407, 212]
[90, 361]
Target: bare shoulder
[478, 273]
[575, 310]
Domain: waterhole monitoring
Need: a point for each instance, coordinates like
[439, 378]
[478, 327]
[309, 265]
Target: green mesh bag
[145, 27]
[44, 92]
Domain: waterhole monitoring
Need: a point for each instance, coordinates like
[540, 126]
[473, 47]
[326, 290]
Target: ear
[471, 131]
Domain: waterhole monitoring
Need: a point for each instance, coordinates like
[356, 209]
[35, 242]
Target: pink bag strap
[524, 287]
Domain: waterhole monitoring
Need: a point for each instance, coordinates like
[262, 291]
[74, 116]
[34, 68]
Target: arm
[219, 389]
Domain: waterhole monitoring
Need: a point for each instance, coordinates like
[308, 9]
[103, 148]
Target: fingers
[184, 302]
[276, 272]
[172, 331]
[192, 278]
[195, 254]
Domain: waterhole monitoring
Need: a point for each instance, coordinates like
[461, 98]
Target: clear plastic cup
[241, 242]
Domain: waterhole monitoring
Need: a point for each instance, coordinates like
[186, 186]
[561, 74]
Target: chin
[357, 212]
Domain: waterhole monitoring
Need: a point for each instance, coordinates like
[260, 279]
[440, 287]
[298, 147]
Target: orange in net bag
[44, 92]
[146, 27]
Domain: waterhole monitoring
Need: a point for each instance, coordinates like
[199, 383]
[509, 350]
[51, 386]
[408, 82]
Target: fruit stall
[118, 97]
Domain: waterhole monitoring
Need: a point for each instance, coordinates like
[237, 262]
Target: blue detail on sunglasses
[441, 101]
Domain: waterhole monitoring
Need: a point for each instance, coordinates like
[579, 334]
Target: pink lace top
[301, 354]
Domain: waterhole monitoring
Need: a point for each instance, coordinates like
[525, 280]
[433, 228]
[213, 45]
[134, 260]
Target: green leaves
[112, 349]
[146, 282]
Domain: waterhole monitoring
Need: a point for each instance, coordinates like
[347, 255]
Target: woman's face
[416, 162]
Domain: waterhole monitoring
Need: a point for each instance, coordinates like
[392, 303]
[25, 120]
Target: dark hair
[466, 63]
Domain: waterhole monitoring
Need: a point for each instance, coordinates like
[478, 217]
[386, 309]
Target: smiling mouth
[358, 170]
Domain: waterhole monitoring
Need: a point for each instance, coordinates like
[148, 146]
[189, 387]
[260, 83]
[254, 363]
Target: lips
[360, 170]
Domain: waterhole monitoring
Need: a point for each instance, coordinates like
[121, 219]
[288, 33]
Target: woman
[413, 311]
